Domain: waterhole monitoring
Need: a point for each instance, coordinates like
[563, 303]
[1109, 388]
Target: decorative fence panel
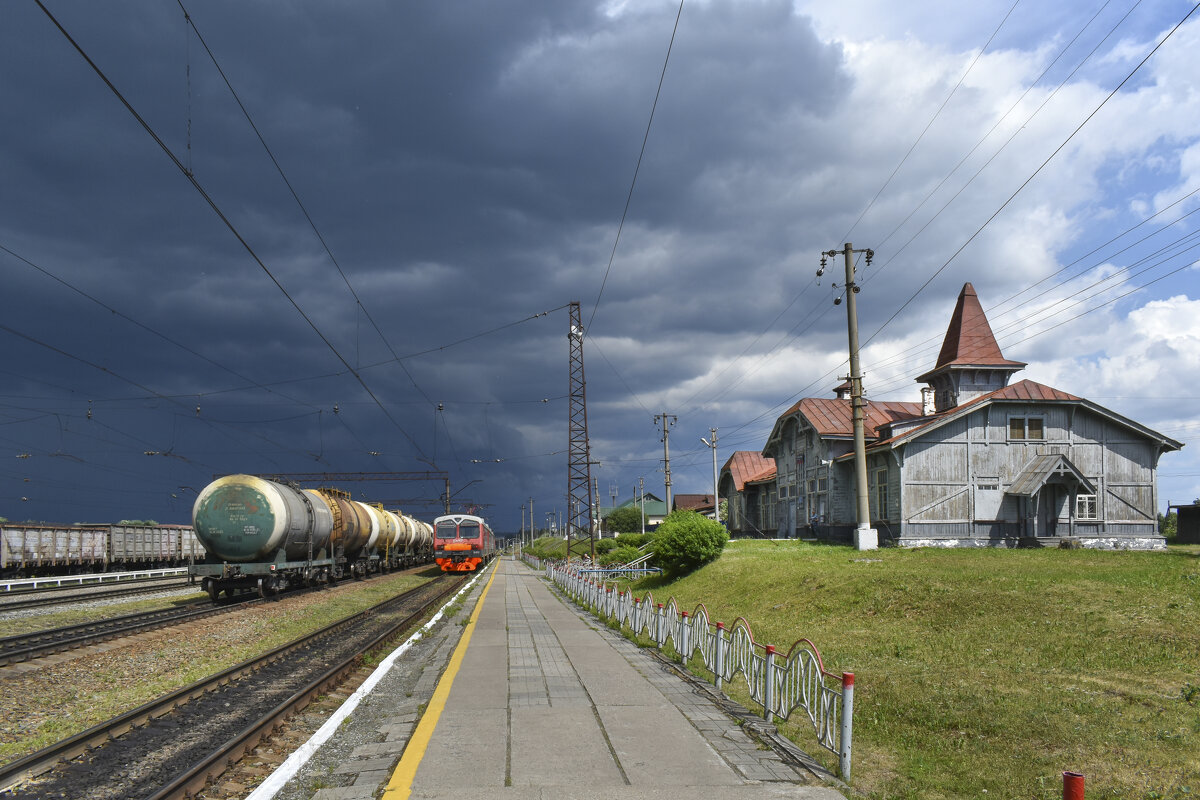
[781, 685]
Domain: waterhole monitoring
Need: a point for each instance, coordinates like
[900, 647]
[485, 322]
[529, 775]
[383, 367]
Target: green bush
[634, 539]
[686, 541]
[625, 519]
[604, 545]
[619, 555]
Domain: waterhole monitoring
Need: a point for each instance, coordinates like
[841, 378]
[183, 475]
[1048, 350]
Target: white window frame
[1087, 507]
[880, 492]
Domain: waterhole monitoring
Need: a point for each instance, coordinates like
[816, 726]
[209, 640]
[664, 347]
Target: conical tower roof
[969, 340]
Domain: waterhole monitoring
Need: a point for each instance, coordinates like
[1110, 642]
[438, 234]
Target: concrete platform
[540, 702]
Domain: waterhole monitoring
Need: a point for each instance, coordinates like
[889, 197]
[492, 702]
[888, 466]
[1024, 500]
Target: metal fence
[780, 684]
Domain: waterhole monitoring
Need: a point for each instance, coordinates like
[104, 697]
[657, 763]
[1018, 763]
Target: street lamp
[713, 445]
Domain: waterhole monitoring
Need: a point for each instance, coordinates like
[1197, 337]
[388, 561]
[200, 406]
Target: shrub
[604, 545]
[620, 555]
[687, 540]
[634, 539]
[625, 519]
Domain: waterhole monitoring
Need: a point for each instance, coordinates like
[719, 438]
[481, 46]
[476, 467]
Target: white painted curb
[288, 769]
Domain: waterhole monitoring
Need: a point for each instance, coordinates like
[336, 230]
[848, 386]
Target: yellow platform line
[400, 785]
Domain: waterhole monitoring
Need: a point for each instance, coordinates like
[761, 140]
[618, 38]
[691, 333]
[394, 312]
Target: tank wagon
[39, 550]
[266, 536]
[462, 542]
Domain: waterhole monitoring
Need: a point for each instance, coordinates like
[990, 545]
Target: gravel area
[47, 700]
[164, 597]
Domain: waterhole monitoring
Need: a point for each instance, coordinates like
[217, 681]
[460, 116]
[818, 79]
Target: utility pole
[595, 526]
[642, 495]
[613, 491]
[522, 525]
[865, 537]
[713, 445]
[667, 421]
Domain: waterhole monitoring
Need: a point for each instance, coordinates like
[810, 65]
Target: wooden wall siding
[1129, 462]
[936, 502]
[1128, 503]
[1088, 428]
[946, 476]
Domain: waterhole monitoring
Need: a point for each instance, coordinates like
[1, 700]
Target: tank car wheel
[266, 587]
[213, 590]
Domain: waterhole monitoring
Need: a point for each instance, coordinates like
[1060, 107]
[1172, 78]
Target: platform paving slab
[548, 703]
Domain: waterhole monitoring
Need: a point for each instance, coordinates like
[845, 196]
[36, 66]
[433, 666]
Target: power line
[149, 329]
[1036, 172]
[228, 224]
[296, 197]
[637, 168]
[932, 119]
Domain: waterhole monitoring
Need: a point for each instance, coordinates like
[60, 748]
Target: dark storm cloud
[468, 165]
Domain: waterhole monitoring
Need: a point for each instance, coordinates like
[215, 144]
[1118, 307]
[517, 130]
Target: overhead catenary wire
[932, 119]
[295, 196]
[974, 61]
[636, 169]
[191, 178]
[1029, 180]
[154, 331]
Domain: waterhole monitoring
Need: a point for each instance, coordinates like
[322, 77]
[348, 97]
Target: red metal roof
[969, 340]
[694, 502]
[834, 417]
[748, 466]
[1019, 391]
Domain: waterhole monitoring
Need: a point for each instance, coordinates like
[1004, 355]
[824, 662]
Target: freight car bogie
[265, 579]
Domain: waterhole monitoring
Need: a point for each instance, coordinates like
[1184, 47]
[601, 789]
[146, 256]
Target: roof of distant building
[749, 466]
[693, 502]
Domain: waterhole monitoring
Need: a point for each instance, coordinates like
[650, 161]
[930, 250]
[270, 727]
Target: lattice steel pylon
[579, 460]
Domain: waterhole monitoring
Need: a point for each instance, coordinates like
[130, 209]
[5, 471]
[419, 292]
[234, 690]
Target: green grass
[986, 670]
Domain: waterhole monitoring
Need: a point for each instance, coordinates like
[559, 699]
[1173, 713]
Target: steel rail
[72, 594]
[188, 783]
[28, 646]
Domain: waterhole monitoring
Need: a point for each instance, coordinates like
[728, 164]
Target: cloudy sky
[361, 261]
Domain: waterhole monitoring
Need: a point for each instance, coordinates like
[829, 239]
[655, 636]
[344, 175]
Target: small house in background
[979, 461]
[700, 503]
[655, 509]
[747, 485]
[1187, 523]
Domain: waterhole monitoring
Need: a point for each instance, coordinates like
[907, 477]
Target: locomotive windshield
[468, 529]
[447, 530]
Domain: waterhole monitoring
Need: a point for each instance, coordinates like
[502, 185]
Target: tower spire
[970, 362]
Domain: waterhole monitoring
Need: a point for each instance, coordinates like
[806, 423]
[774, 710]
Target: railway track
[28, 646]
[171, 747]
[75, 594]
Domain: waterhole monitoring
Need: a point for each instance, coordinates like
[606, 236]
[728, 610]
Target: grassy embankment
[986, 673]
